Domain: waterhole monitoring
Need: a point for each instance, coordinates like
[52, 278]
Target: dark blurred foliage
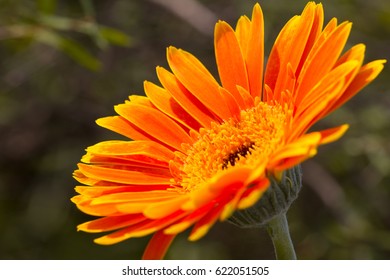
[66, 63]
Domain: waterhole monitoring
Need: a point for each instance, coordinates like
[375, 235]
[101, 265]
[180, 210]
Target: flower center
[247, 142]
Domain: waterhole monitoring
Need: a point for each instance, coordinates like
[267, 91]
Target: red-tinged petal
[155, 124]
[254, 55]
[165, 207]
[158, 246]
[224, 182]
[230, 61]
[167, 104]
[189, 220]
[204, 225]
[146, 177]
[139, 230]
[333, 134]
[322, 59]
[253, 194]
[111, 223]
[196, 78]
[186, 100]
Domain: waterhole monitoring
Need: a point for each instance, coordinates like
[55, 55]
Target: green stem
[278, 231]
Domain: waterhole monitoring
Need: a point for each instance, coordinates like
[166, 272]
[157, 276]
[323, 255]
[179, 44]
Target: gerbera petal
[96, 191]
[197, 79]
[303, 146]
[288, 49]
[189, 220]
[231, 178]
[243, 31]
[321, 59]
[145, 177]
[111, 223]
[367, 74]
[204, 225]
[130, 148]
[138, 230]
[182, 96]
[167, 104]
[141, 197]
[230, 61]
[165, 207]
[252, 194]
[332, 134]
[155, 123]
[120, 125]
[254, 55]
[158, 246]
[320, 91]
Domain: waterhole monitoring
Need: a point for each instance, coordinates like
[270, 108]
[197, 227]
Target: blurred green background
[64, 64]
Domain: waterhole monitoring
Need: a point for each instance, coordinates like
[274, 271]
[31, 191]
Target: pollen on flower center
[248, 141]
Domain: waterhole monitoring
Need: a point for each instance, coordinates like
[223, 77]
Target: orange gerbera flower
[202, 150]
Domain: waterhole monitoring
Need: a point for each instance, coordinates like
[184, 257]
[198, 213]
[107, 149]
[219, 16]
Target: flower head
[203, 149]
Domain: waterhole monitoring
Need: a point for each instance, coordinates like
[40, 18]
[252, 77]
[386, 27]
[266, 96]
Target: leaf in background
[73, 49]
[115, 37]
[47, 6]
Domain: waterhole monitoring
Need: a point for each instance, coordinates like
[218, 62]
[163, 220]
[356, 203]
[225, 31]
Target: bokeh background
[64, 64]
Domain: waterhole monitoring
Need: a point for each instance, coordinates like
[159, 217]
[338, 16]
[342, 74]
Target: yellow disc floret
[248, 141]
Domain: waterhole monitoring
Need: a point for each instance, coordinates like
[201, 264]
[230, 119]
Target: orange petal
[254, 56]
[313, 36]
[196, 78]
[165, 207]
[129, 148]
[243, 31]
[189, 220]
[320, 91]
[186, 100]
[111, 223]
[139, 230]
[332, 134]
[203, 226]
[230, 102]
[158, 246]
[165, 102]
[129, 197]
[366, 75]
[120, 125]
[124, 176]
[155, 124]
[322, 59]
[292, 48]
[95, 191]
[300, 147]
[231, 65]
[253, 194]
